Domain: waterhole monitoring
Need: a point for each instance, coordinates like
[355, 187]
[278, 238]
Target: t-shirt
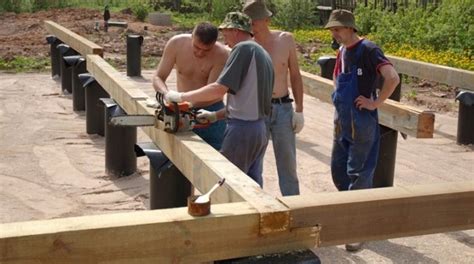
[368, 75]
[248, 73]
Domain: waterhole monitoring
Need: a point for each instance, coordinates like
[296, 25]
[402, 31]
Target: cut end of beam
[426, 124]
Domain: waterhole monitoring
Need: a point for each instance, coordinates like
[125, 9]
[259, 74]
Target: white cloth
[207, 115]
[298, 122]
[151, 102]
[173, 96]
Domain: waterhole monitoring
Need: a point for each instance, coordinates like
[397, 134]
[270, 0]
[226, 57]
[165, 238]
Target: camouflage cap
[341, 18]
[237, 20]
[256, 9]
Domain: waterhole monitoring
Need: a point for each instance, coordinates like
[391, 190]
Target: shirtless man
[283, 122]
[198, 60]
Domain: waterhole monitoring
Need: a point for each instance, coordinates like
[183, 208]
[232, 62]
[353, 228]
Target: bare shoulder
[283, 36]
[221, 50]
[179, 40]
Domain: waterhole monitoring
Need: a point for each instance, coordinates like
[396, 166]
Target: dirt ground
[23, 34]
[51, 168]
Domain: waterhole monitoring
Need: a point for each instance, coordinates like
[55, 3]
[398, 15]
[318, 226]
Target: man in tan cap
[198, 59]
[360, 66]
[247, 78]
[284, 122]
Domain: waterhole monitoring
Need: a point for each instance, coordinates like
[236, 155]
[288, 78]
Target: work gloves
[207, 115]
[297, 122]
[151, 102]
[173, 96]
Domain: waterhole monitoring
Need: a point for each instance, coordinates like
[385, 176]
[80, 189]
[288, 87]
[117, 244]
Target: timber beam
[406, 119]
[231, 230]
[156, 236]
[383, 213]
[443, 74]
[75, 41]
[198, 161]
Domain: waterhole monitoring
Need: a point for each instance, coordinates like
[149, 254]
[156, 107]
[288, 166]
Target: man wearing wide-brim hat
[359, 66]
[286, 120]
[247, 79]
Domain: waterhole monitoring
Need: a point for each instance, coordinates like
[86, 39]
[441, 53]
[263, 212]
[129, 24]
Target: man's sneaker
[354, 247]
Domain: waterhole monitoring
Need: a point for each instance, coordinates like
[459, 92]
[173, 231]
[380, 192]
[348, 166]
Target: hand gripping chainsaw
[170, 117]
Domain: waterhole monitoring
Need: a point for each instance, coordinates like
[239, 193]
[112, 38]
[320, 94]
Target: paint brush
[205, 197]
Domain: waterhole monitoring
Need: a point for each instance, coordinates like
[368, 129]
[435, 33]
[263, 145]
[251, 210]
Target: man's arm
[165, 66]
[210, 92]
[391, 81]
[295, 75]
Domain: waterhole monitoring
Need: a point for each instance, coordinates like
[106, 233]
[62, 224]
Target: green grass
[120, 63]
[188, 21]
[25, 64]
[411, 95]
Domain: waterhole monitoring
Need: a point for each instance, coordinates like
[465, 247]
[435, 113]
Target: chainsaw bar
[133, 120]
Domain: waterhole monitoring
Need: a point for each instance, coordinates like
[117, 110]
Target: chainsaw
[170, 117]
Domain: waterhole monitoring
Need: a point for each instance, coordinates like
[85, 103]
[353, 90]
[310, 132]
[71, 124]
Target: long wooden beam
[157, 236]
[75, 41]
[198, 161]
[443, 74]
[376, 214]
[172, 236]
[400, 117]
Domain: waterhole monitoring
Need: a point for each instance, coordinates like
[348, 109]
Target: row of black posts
[121, 147]
[385, 170]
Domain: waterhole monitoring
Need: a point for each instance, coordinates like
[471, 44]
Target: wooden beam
[75, 41]
[463, 79]
[198, 161]
[157, 236]
[406, 119]
[383, 213]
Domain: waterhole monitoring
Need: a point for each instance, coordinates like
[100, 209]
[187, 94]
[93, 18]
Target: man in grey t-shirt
[247, 78]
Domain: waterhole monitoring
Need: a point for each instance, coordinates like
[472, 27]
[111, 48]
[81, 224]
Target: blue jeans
[280, 127]
[214, 134]
[244, 145]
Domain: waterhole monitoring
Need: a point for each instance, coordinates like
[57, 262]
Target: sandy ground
[51, 168]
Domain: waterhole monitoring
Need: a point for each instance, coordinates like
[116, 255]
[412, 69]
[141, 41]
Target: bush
[295, 14]
[140, 10]
[315, 35]
[447, 27]
[10, 6]
[219, 8]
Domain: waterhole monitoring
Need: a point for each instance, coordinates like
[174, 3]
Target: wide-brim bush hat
[237, 20]
[256, 9]
[341, 18]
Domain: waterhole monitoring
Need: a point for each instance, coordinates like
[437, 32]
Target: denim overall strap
[344, 95]
[356, 136]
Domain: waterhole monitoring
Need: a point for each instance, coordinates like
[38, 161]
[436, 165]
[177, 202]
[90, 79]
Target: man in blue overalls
[360, 66]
